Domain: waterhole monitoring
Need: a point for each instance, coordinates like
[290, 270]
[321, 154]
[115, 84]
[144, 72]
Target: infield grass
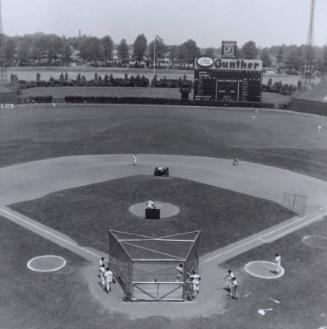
[86, 213]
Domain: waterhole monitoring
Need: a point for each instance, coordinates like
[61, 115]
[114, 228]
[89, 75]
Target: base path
[32, 180]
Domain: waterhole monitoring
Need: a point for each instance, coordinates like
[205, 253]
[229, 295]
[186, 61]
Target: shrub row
[160, 101]
[38, 99]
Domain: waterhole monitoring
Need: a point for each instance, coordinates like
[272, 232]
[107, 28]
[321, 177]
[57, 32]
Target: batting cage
[146, 267]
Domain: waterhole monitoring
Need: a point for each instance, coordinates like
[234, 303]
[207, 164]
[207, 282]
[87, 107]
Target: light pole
[154, 56]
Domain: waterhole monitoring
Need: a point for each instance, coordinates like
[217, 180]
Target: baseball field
[67, 176]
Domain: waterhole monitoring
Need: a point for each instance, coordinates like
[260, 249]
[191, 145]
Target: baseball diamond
[73, 180]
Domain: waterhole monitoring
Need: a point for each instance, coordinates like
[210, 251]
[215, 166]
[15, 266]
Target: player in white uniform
[180, 272]
[196, 282]
[108, 278]
[150, 204]
[102, 270]
[278, 261]
[228, 278]
[234, 293]
[235, 161]
[102, 261]
[135, 159]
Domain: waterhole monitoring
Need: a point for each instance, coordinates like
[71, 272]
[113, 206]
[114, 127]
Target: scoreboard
[227, 80]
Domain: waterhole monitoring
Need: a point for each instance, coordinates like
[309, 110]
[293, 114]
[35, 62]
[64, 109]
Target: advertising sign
[228, 49]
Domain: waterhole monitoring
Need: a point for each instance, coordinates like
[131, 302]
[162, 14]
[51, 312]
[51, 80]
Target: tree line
[49, 49]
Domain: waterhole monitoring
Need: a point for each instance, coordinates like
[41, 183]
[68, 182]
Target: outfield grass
[86, 213]
[290, 141]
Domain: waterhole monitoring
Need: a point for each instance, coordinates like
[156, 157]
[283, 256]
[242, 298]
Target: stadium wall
[308, 106]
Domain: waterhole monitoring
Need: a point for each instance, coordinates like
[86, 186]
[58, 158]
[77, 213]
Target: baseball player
[102, 270]
[180, 272]
[235, 161]
[229, 278]
[196, 282]
[108, 275]
[234, 293]
[278, 261]
[135, 159]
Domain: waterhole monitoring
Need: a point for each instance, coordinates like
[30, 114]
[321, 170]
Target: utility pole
[308, 65]
[154, 55]
[3, 71]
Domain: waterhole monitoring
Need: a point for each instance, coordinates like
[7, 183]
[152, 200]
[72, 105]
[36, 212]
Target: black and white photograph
[163, 164]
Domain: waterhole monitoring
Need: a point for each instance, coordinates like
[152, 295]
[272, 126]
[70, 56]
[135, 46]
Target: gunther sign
[239, 64]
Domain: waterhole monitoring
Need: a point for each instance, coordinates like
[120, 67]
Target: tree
[249, 50]
[123, 53]
[280, 59]
[66, 54]
[324, 60]
[54, 47]
[160, 49]
[190, 51]
[210, 52]
[173, 54]
[9, 49]
[39, 46]
[107, 46]
[90, 49]
[264, 56]
[295, 59]
[140, 47]
[24, 49]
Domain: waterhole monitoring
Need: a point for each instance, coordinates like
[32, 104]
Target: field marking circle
[52, 262]
[315, 241]
[263, 269]
[166, 209]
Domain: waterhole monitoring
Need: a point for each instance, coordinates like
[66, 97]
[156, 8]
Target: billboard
[228, 49]
[227, 80]
[229, 64]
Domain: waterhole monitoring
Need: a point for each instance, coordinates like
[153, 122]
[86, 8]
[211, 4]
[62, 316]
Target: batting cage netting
[146, 267]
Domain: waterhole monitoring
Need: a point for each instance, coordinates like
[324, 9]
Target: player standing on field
[180, 272]
[278, 261]
[108, 275]
[234, 293]
[235, 162]
[135, 159]
[195, 282]
[229, 278]
[101, 275]
[102, 261]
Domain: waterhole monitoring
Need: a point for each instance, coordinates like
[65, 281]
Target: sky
[208, 22]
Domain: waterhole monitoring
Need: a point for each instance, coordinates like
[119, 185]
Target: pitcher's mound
[166, 209]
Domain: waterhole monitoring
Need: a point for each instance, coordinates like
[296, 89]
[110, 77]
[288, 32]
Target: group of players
[192, 282]
[106, 276]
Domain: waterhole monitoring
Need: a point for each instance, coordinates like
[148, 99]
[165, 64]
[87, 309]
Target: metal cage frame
[153, 276]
